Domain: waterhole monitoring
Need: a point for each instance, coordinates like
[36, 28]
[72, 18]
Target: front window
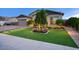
[51, 18]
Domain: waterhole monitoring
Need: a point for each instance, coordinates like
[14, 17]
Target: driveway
[8, 42]
[4, 28]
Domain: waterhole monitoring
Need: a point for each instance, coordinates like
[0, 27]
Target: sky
[12, 12]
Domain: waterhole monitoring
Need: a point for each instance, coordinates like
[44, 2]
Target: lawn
[56, 36]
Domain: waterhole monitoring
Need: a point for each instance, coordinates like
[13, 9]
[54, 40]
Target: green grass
[55, 36]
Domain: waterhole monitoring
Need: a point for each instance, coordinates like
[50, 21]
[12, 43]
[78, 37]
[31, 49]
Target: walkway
[3, 28]
[73, 34]
[8, 42]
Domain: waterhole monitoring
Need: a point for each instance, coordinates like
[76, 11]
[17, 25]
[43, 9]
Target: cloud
[75, 15]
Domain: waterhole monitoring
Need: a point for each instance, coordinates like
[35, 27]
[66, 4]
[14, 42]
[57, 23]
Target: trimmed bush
[59, 22]
[29, 22]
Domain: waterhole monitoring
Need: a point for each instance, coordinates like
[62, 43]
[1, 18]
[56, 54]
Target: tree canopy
[41, 20]
[41, 17]
[73, 22]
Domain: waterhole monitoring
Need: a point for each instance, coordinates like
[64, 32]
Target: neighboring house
[2, 20]
[20, 20]
[10, 21]
[52, 16]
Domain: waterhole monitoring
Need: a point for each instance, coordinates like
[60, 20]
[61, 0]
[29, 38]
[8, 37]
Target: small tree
[41, 20]
[77, 24]
[38, 20]
[73, 22]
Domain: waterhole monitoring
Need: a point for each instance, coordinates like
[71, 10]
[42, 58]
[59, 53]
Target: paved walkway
[73, 34]
[8, 42]
[4, 28]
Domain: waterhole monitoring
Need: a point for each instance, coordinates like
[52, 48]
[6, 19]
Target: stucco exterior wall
[54, 18]
[11, 19]
[14, 19]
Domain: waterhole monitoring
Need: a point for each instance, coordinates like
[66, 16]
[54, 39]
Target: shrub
[59, 27]
[49, 27]
[29, 22]
[73, 22]
[59, 22]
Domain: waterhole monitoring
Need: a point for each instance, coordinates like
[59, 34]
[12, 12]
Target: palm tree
[41, 20]
[38, 20]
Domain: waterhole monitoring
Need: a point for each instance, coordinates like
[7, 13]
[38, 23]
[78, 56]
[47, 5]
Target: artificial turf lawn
[56, 36]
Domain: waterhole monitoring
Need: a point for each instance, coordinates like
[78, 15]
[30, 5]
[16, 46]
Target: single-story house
[20, 20]
[52, 16]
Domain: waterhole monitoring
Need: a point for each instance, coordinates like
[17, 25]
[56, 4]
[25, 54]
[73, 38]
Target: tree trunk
[39, 27]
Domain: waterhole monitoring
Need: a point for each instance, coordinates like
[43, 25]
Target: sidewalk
[74, 35]
[8, 42]
[4, 28]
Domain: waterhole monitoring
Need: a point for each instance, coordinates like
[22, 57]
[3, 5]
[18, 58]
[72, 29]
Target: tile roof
[23, 16]
[49, 12]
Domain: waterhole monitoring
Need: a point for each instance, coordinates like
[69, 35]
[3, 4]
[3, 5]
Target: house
[10, 21]
[52, 16]
[20, 20]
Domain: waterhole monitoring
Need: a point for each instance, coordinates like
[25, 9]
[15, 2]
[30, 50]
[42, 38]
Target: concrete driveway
[8, 42]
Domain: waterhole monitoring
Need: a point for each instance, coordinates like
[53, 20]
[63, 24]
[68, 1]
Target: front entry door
[51, 20]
